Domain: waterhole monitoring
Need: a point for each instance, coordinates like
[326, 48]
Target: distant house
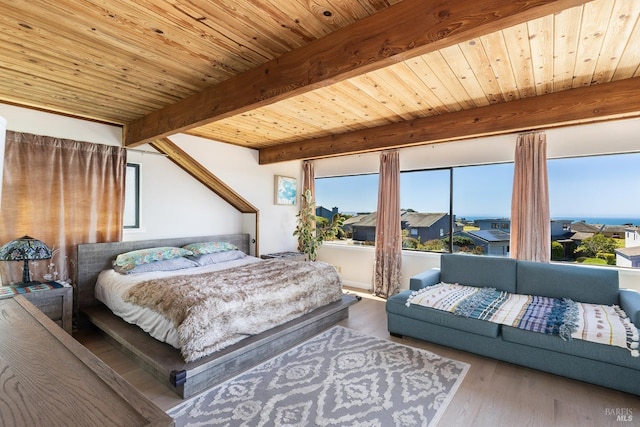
[323, 212]
[561, 228]
[364, 230]
[425, 226]
[581, 230]
[614, 231]
[348, 224]
[631, 237]
[628, 257]
[421, 226]
[503, 224]
[583, 227]
[494, 242]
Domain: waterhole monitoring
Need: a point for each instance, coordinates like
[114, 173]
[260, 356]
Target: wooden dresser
[49, 379]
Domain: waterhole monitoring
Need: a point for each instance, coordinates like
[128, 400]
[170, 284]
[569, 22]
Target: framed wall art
[286, 190]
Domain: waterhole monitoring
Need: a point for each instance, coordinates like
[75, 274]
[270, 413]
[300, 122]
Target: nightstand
[56, 304]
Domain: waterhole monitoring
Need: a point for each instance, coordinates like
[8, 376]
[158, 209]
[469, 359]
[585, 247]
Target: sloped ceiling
[318, 78]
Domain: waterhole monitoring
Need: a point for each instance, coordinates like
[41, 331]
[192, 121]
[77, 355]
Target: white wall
[172, 203]
[356, 263]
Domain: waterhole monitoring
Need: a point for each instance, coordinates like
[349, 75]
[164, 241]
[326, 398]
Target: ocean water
[603, 220]
[588, 220]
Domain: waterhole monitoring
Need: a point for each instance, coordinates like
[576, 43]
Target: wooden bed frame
[164, 361]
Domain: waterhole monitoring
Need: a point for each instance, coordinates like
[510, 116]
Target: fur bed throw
[214, 310]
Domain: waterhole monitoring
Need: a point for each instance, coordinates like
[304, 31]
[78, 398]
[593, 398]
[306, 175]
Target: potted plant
[310, 237]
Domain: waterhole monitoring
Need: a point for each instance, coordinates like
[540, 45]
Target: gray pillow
[218, 257]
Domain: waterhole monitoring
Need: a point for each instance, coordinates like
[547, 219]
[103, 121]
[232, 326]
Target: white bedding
[111, 286]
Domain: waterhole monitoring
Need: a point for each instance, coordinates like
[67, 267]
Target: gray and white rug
[338, 378]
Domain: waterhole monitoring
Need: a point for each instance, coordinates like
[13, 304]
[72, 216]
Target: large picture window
[594, 206]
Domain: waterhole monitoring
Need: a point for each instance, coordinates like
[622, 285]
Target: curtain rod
[143, 152]
[525, 132]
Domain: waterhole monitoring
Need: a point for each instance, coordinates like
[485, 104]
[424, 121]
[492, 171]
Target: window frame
[132, 202]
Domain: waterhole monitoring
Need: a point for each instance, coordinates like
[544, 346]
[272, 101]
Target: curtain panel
[530, 220]
[309, 178]
[308, 183]
[388, 253]
[62, 192]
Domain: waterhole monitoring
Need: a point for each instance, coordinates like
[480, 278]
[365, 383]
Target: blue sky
[586, 187]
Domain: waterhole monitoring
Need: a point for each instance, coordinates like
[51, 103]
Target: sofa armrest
[630, 303]
[424, 279]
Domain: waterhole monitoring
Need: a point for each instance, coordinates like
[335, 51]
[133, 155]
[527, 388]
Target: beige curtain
[309, 178]
[530, 221]
[308, 182]
[62, 192]
[388, 233]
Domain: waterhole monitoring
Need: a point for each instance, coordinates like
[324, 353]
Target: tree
[557, 251]
[591, 246]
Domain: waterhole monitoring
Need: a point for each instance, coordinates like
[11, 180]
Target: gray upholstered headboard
[95, 257]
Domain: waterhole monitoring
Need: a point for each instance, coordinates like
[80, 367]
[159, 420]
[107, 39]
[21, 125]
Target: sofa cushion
[479, 271]
[594, 285]
[397, 305]
[588, 350]
[630, 303]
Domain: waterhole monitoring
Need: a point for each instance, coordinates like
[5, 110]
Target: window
[471, 207]
[132, 196]
[425, 198]
[598, 196]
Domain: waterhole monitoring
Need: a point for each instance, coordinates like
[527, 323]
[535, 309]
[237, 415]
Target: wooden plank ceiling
[316, 78]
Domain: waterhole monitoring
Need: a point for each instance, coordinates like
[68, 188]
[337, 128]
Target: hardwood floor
[493, 393]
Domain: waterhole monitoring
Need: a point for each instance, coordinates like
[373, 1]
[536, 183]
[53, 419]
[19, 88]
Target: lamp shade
[25, 249]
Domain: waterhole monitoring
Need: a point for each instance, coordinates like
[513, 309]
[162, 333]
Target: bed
[210, 363]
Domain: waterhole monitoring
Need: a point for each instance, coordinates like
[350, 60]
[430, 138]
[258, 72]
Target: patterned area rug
[338, 378]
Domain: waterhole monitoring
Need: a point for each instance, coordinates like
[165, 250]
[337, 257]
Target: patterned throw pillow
[127, 261]
[209, 247]
[163, 265]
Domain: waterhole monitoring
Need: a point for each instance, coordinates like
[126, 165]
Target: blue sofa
[600, 364]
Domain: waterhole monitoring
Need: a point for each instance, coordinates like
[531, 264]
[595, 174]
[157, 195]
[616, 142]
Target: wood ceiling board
[399, 30]
[596, 17]
[472, 66]
[541, 39]
[520, 57]
[566, 32]
[594, 103]
[623, 21]
[115, 61]
[106, 47]
[495, 46]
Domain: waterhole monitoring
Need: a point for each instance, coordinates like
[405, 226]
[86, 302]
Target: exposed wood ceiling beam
[407, 29]
[202, 174]
[589, 104]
